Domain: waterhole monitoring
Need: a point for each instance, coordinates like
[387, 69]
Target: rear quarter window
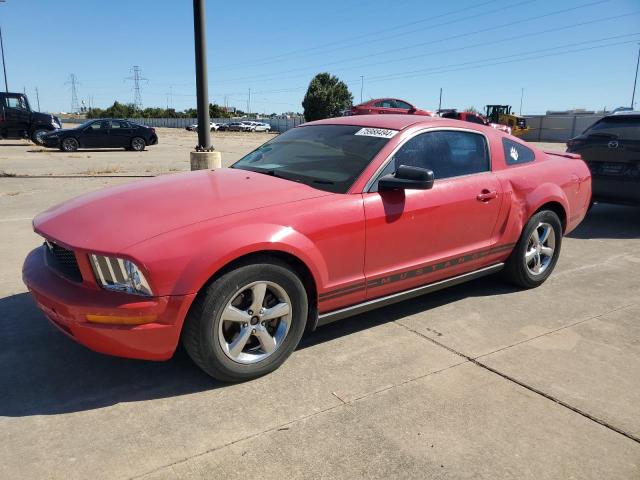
[516, 153]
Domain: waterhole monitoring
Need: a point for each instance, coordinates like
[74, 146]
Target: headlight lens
[120, 275]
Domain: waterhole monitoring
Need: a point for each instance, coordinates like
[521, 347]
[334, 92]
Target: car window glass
[516, 153]
[475, 119]
[385, 104]
[621, 126]
[446, 153]
[16, 102]
[326, 157]
[98, 126]
[117, 124]
[401, 104]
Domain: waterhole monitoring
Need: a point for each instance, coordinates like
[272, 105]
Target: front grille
[62, 261]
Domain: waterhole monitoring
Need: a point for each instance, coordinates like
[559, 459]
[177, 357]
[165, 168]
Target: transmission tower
[137, 79]
[73, 81]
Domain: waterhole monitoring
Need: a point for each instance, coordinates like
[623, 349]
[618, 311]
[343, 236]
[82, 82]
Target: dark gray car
[611, 148]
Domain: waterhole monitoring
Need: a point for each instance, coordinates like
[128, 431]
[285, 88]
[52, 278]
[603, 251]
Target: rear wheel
[69, 144]
[247, 322]
[138, 144]
[536, 253]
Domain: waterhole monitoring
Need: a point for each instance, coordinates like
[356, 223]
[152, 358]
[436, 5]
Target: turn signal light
[120, 319]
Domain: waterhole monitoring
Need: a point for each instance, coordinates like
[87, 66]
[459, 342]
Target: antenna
[73, 81]
[137, 78]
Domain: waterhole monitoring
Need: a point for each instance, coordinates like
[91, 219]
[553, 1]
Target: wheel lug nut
[245, 325]
[253, 330]
[263, 323]
[250, 312]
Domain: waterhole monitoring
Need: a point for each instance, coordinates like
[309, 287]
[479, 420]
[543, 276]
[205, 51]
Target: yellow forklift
[501, 114]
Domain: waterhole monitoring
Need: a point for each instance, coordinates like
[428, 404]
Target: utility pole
[199, 30]
[521, 97]
[440, 101]
[361, 86]
[137, 78]
[633, 95]
[4, 66]
[38, 98]
[249, 103]
[73, 81]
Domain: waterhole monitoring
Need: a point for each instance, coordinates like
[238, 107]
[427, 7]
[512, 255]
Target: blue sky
[565, 54]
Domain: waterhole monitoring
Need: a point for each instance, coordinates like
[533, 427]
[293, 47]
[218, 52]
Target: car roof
[625, 113]
[394, 122]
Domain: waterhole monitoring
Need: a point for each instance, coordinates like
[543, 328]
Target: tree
[326, 97]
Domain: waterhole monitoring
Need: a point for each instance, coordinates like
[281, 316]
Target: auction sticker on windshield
[376, 132]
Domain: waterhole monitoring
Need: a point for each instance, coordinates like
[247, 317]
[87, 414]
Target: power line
[342, 43]
[440, 40]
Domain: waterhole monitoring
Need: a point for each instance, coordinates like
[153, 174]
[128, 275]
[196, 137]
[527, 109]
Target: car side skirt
[329, 317]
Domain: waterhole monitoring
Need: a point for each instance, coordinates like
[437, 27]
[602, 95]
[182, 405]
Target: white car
[212, 126]
[261, 127]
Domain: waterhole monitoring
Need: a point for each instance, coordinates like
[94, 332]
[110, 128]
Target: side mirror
[413, 110]
[407, 178]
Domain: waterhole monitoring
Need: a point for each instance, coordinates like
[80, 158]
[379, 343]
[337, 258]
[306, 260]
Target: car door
[414, 237]
[119, 134]
[95, 135]
[17, 116]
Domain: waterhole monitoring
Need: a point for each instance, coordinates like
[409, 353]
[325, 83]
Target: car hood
[112, 219]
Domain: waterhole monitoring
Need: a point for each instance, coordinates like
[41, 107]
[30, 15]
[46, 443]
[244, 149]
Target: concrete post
[206, 160]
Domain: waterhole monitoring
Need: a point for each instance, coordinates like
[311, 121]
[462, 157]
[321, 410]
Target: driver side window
[447, 153]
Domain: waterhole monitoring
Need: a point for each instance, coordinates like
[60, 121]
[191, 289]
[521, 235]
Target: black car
[102, 134]
[17, 120]
[611, 148]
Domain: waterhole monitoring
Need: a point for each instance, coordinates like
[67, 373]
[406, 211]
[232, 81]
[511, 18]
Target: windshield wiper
[324, 182]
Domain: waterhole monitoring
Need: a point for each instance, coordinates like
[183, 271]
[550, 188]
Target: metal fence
[544, 128]
[277, 124]
[557, 128]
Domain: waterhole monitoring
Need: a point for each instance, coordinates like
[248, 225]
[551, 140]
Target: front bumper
[66, 304]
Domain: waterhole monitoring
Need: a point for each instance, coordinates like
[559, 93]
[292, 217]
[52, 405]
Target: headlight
[120, 275]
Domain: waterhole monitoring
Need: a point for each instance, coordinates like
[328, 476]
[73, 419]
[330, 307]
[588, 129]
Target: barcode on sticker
[376, 132]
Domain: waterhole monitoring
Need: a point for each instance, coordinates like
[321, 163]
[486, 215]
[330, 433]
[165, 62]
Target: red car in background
[327, 220]
[473, 117]
[388, 106]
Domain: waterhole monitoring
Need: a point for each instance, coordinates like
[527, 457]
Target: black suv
[611, 148]
[17, 120]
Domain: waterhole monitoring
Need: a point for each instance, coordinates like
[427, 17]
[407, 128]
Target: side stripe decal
[417, 272]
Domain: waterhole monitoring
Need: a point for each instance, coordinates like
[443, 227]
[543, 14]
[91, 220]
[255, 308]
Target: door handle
[486, 195]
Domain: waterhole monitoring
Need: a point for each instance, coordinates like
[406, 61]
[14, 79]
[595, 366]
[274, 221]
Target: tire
[209, 337]
[138, 144]
[531, 261]
[69, 144]
[37, 134]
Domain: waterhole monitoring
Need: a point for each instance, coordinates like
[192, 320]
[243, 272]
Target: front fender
[182, 261]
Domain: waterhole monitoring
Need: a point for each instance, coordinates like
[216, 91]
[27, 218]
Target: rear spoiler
[573, 156]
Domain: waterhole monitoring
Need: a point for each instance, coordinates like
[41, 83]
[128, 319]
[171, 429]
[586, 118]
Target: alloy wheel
[137, 144]
[540, 249]
[255, 322]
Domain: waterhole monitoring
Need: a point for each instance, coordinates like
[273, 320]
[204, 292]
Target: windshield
[327, 157]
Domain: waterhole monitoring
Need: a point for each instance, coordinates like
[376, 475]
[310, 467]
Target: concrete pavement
[478, 381]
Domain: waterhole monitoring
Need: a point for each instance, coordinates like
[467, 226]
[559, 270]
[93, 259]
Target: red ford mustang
[327, 220]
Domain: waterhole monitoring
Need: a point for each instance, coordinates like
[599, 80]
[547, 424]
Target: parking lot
[478, 381]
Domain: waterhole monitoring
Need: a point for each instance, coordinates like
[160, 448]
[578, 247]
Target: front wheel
[247, 322]
[138, 144]
[536, 253]
[69, 145]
